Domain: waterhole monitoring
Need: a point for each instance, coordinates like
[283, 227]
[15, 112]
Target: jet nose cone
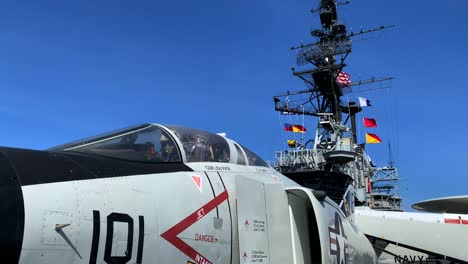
[11, 212]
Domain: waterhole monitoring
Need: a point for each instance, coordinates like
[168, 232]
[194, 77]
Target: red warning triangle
[198, 181]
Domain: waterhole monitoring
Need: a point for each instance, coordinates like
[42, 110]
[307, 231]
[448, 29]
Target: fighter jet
[166, 194]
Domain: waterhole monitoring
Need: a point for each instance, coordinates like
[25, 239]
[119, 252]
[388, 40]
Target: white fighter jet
[166, 194]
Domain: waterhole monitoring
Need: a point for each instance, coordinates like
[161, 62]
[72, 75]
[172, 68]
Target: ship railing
[386, 201]
[297, 158]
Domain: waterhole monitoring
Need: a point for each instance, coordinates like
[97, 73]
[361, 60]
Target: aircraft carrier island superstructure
[334, 161]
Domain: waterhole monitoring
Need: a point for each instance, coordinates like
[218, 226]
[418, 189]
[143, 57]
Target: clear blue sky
[71, 69]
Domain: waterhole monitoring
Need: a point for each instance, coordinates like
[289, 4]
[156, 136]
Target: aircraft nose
[12, 212]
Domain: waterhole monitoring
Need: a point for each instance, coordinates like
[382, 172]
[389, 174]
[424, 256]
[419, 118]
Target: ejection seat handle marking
[60, 226]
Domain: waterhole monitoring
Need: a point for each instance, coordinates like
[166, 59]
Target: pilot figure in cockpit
[168, 150]
[197, 148]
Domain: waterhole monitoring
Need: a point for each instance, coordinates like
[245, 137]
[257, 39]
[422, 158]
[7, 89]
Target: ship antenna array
[337, 4]
[390, 156]
[352, 34]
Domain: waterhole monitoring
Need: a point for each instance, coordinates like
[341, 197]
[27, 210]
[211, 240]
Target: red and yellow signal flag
[372, 139]
[299, 128]
[370, 122]
[294, 128]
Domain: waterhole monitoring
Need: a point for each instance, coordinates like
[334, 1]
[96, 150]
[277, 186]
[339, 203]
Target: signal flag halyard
[343, 78]
[372, 139]
[370, 122]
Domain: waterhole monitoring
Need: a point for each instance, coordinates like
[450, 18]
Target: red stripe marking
[171, 234]
[451, 221]
[464, 222]
[332, 240]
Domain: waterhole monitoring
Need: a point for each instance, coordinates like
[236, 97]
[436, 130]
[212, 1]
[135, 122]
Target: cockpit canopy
[165, 144]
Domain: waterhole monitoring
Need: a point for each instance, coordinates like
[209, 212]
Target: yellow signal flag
[372, 139]
[291, 143]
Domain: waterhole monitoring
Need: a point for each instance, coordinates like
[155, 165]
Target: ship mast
[336, 158]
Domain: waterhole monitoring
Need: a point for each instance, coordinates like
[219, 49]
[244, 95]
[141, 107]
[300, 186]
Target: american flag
[343, 78]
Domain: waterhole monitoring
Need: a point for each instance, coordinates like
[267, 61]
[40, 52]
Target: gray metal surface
[252, 221]
[452, 204]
